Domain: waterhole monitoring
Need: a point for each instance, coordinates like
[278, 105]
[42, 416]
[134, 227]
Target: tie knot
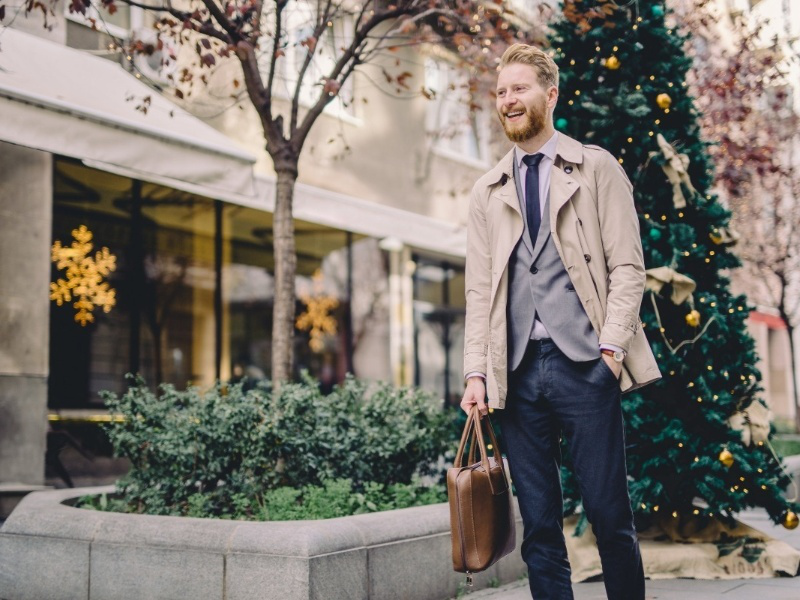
[533, 160]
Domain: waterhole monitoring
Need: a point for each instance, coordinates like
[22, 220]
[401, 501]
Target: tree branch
[203, 27]
[224, 22]
[317, 34]
[276, 42]
[352, 53]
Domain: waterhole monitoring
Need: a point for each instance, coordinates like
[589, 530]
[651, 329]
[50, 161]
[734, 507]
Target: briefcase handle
[474, 426]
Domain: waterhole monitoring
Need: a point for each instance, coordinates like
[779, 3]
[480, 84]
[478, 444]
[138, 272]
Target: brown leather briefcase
[481, 509]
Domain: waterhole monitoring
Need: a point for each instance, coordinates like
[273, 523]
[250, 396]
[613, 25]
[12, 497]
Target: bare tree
[745, 104]
[255, 34]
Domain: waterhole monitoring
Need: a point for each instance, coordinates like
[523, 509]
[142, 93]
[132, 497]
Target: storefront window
[439, 308]
[195, 290]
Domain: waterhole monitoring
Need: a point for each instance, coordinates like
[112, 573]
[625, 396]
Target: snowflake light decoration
[317, 318]
[84, 274]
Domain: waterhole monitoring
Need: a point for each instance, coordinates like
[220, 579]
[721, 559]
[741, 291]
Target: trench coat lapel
[562, 188]
[510, 226]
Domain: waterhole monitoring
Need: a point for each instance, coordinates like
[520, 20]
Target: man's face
[522, 103]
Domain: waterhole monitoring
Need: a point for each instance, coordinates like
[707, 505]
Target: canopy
[65, 101]
[68, 102]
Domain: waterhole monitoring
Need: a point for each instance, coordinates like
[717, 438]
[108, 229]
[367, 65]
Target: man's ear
[553, 94]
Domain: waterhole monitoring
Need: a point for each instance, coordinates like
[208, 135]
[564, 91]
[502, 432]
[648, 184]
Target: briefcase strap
[473, 430]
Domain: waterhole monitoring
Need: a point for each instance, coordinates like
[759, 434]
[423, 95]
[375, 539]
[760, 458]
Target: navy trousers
[549, 393]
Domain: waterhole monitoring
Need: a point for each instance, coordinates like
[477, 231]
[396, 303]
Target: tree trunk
[792, 358]
[283, 313]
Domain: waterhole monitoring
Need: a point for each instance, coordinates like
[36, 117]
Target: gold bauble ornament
[726, 458]
[693, 318]
[612, 62]
[790, 520]
[663, 100]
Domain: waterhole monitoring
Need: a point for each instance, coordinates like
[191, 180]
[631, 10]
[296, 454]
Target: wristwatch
[617, 355]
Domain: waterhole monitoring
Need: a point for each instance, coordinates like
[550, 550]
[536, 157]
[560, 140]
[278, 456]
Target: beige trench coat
[596, 232]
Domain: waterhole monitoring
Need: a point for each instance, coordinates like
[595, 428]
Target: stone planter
[51, 550]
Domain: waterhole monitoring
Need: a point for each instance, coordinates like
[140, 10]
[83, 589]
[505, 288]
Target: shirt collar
[548, 149]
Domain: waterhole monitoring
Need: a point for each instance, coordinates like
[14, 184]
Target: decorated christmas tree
[698, 440]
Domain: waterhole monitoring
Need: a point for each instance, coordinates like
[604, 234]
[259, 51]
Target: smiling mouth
[514, 115]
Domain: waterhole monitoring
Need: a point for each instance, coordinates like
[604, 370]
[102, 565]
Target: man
[554, 282]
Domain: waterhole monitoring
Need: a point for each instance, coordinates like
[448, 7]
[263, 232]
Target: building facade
[176, 199]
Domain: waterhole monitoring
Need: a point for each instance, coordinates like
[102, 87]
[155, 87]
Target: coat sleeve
[622, 247]
[477, 283]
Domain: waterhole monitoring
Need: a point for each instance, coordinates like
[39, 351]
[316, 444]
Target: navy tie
[532, 208]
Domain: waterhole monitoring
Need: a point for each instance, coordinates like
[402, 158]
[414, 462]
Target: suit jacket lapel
[544, 231]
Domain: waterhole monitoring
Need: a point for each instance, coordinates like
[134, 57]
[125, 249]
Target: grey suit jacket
[539, 285]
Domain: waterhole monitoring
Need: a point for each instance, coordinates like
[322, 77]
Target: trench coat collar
[570, 150]
[562, 185]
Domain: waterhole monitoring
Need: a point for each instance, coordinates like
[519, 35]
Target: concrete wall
[26, 214]
[392, 555]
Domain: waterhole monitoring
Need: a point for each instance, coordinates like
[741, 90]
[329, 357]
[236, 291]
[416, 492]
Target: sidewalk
[773, 588]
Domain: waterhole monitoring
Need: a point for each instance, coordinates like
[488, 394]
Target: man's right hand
[475, 394]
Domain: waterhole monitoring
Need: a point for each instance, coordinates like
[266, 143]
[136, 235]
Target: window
[455, 129]
[439, 309]
[118, 24]
[299, 21]
[195, 290]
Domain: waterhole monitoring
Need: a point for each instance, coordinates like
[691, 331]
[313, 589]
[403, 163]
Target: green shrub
[335, 498]
[232, 453]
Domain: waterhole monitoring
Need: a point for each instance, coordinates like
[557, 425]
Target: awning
[69, 102]
[341, 211]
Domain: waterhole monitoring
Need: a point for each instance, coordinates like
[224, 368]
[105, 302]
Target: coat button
[568, 169]
[534, 270]
[587, 257]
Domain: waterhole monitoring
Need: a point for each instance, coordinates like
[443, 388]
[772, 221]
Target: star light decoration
[84, 274]
[317, 318]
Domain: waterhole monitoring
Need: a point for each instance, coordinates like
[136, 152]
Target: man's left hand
[616, 368]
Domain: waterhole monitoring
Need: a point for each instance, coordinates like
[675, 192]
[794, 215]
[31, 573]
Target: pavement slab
[773, 588]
